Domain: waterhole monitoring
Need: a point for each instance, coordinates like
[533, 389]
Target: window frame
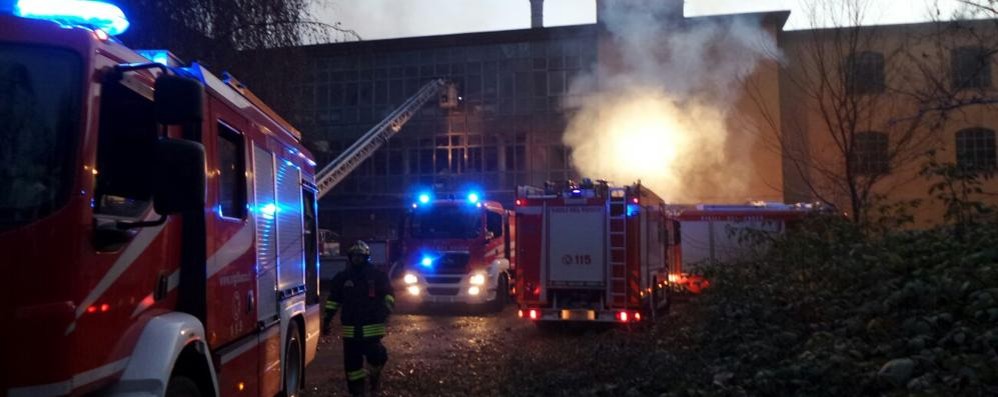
[489, 217]
[981, 79]
[966, 134]
[146, 203]
[863, 160]
[858, 79]
[242, 190]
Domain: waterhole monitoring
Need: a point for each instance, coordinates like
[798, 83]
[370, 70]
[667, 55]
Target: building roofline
[893, 25]
[457, 39]
[779, 18]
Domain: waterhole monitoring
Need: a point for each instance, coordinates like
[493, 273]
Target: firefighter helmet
[359, 248]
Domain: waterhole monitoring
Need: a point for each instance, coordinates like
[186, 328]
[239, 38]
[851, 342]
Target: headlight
[413, 290]
[477, 279]
[473, 291]
[410, 278]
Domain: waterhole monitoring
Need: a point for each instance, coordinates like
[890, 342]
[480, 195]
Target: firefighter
[363, 296]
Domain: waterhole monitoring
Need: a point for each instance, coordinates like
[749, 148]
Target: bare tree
[258, 40]
[847, 131]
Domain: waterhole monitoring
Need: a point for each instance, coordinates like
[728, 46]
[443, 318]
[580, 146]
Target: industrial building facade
[507, 130]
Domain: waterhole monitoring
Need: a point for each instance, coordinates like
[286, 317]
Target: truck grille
[443, 279]
[442, 291]
[453, 263]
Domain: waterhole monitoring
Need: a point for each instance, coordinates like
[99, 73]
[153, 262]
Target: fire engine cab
[591, 252]
[457, 249]
[157, 222]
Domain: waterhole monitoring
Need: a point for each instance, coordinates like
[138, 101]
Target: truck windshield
[447, 222]
[39, 116]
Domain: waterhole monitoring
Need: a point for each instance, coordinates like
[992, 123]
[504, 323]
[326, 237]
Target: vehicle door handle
[162, 285]
[250, 301]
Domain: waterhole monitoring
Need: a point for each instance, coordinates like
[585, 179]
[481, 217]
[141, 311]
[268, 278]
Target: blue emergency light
[633, 209]
[95, 14]
[473, 198]
[424, 198]
[426, 261]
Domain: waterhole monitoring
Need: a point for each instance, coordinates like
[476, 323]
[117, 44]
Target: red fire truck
[157, 222]
[591, 253]
[711, 233]
[457, 250]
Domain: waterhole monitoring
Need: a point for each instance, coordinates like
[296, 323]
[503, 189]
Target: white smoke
[657, 109]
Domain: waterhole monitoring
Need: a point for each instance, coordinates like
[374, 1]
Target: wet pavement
[440, 351]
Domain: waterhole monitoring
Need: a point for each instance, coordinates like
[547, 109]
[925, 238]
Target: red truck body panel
[74, 313]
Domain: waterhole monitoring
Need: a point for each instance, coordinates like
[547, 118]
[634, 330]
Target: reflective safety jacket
[364, 297]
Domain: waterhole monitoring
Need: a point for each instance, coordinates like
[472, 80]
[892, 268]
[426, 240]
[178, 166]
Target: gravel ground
[435, 353]
[442, 353]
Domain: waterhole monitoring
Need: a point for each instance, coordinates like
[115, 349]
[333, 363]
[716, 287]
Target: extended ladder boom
[337, 170]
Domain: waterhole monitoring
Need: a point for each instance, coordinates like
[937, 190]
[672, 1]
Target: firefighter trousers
[355, 350]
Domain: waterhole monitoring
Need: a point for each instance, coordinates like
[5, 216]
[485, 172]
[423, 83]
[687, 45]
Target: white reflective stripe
[136, 248]
[249, 344]
[233, 249]
[144, 304]
[245, 347]
[241, 242]
[148, 301]
[67, 386]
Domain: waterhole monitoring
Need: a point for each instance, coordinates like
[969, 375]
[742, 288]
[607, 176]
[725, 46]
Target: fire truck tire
[182, 386]
[502, 294]
[294, 370]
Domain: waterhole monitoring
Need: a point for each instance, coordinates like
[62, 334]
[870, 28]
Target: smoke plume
[657, 108]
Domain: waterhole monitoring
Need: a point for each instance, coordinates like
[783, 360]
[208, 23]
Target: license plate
[578, 315]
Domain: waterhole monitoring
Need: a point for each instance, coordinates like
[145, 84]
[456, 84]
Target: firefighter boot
[374, 375]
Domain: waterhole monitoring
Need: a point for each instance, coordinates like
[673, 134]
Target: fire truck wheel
[293, 372]
[182, 386]
[502, 294]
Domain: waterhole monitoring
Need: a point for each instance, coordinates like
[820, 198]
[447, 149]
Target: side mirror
[178, 100]
[179, 183]
[489, 235]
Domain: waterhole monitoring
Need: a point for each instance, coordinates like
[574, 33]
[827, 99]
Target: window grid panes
[975, 149]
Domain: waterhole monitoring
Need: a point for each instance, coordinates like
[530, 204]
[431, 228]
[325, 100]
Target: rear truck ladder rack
[617, 247]
[338, 169]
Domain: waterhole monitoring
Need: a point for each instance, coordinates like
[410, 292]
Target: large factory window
[474, 159]
[556, 157]
[491, 158]
[442, 163]
[395, 165]
[457, 160]
[540, 84]
[426, 161]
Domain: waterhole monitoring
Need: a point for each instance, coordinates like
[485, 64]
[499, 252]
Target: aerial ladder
[338, 169]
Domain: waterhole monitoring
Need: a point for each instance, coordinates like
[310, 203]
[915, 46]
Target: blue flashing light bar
[426, 261]
[424, 198]
[96, 14]
[167, 58]
[633, 209]
[159, 56]
[473, 197]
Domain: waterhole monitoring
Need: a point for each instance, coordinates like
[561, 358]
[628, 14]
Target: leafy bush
[829, 310]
